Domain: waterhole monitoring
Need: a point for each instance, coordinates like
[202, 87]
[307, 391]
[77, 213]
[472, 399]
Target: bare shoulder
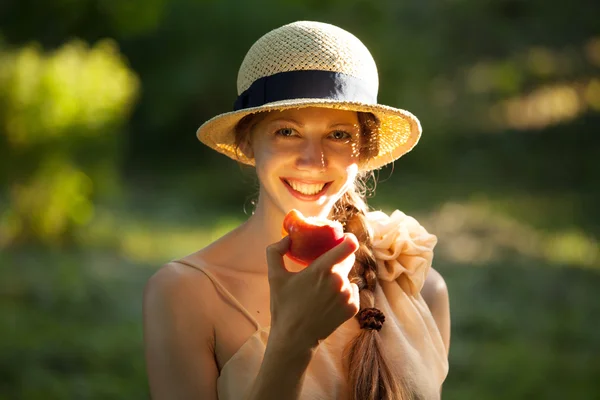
[435, 294]
[176, 283]
[434, 287]
[174, 272]
[180, 298]
[178, 323]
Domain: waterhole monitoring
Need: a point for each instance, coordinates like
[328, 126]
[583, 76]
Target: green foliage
[97, 151]
[60, 115]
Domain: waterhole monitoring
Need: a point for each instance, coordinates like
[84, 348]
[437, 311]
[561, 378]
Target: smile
[306, 188]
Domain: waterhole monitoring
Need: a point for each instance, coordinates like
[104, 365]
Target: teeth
[307, 189]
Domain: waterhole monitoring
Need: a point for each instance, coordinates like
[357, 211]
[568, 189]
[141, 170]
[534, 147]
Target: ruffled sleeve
[401, 246]
[404, 252]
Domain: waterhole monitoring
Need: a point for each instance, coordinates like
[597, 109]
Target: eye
[340, 135]
[285, 132]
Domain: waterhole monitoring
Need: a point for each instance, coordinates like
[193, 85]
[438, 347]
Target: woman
[369, 319]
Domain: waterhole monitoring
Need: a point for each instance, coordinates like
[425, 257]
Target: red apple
[310, 236]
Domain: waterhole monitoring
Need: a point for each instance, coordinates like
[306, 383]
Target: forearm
[282, 372]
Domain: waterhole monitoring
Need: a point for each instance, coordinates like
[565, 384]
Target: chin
[311, 209]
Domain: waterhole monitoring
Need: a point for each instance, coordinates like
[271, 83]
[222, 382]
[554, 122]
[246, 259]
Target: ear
[246, 147]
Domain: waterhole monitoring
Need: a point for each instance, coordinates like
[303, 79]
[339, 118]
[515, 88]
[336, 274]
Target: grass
[524, 322]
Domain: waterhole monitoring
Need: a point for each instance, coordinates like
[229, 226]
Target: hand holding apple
[307, 306]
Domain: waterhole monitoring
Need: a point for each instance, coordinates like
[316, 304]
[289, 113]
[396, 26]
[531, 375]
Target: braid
[350, 211]
[369, 374]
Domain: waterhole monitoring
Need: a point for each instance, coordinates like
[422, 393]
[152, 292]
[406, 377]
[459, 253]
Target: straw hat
[312, 64]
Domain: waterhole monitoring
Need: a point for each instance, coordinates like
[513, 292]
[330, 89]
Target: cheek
[345, 153]
[267, 163]
[355, 151]
[262, 153]
[268, 150]
[347, 157]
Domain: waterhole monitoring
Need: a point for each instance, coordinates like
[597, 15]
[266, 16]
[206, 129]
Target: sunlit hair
[370, 376]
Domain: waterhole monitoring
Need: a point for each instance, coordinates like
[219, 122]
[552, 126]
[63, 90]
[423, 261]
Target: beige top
[410, 335]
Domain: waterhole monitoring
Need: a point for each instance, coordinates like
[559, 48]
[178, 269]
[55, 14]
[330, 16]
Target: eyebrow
[293, 121]
[301, 125]
[344, 124]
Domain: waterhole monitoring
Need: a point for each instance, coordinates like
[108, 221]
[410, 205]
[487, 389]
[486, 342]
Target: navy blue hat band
[309, 84]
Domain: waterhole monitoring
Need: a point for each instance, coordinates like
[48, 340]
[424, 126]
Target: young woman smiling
[367, 320]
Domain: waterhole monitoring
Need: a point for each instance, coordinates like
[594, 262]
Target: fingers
[338, 254]
[345, 266]
[355, 295]
[275, 253]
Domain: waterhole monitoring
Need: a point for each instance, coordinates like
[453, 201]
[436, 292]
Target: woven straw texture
[314, 46]
[307, 46]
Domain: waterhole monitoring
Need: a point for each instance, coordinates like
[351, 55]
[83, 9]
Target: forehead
[320, 114]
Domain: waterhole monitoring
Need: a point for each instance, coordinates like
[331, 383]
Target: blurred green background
[102, 179]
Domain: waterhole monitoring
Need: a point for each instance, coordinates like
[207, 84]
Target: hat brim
[398, 133]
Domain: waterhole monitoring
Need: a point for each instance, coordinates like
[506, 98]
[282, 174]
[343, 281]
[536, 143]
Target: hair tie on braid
[370, 319]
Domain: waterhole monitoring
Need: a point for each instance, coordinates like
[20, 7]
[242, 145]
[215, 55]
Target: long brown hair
[370, 376]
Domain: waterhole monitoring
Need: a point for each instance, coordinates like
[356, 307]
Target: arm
[178, 338]
[179, 344]
[435, 294]
[282, 371]
[290, 349]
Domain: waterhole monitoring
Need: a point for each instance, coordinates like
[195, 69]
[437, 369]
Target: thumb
[275, 253]
[355, 296]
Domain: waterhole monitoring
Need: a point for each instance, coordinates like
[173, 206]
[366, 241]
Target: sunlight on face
[306, 158]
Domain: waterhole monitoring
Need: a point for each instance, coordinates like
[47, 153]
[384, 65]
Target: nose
[312, 156]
